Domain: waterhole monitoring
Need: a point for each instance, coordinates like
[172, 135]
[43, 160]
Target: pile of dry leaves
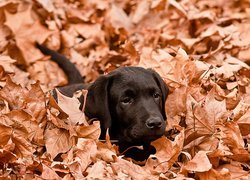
[200, 48]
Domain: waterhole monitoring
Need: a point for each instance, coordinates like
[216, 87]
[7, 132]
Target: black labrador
[130, 101]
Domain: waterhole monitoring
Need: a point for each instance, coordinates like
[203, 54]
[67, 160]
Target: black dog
[130, 101]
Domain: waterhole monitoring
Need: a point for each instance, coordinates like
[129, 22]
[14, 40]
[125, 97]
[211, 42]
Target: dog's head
[131, 102]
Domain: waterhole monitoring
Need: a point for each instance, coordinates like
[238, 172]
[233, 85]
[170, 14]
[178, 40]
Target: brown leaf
[213, 174]
[7, 156]
[203, 118]
[35, 103]
[119, 19]
[133, 53]
[5, 134]
[57, 141]
[19, 135]
[200, 49]
[167, 153]
[105, 152]
[92, 131]
[200, 163]
[179, 7]
[79, 158]
[14, 94]
[23, 147]
[71, 107]
[230, 66]
[176, 102]
[32, 101]
[89, 31]
[132, 170]
[244, 123]
[141, 11]
[48, 74]
[98, 171]
[35, 133]
[237, 170]
[48, 5]
[26, 32]
[49, 173]
[7, 63]
[232, 138]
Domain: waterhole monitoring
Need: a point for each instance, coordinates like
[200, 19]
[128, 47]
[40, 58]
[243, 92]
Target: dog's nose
[154, 123]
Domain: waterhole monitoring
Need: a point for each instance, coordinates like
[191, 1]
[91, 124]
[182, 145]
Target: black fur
[130, 101]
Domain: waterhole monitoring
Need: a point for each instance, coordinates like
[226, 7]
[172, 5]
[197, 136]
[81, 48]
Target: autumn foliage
[200, 48]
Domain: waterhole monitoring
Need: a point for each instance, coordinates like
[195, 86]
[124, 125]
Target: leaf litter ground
[200, 48]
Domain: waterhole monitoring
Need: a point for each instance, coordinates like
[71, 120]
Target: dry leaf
[57, 141]
[200, 48]
[71, 107]
[167, 153]
[200, 163]
[132, 170]
[92, 131]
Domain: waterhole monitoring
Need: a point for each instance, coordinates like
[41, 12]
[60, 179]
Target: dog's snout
[153, 123]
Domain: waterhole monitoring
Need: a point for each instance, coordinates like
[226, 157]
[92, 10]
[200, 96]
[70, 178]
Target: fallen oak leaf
[36, 33]
[22, 77]
[23, 147]
[75, 169]
[130, 49]
[60, 168]
[230, 66]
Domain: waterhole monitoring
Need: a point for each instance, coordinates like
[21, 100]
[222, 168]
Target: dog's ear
[97, 102]
[164, 89]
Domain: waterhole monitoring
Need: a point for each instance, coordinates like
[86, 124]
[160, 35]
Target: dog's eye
[156, 95]
[127, 100]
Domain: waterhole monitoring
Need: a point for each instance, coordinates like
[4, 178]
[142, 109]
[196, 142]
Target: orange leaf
[57, 141]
